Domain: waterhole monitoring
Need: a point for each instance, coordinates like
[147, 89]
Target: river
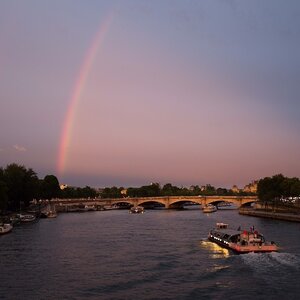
[161, 254]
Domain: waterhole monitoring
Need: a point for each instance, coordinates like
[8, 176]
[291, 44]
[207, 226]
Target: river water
[161, 254]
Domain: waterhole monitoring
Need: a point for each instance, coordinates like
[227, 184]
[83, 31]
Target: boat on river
[209, 208]
[26, 218]
[48, 214]
[240, 241]
[137, 210]
[52, 214]
[5, 228]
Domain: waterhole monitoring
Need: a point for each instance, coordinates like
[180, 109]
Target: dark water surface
[161, 254]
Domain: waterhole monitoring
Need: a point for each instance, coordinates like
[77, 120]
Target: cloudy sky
[126, 93]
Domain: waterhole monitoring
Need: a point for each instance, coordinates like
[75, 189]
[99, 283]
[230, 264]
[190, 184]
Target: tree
[272, 190]
[31, 186]
[49, 187]
[195, 190]
[170, 190]
[87, 192]
[222, 192]
[3, 192]
[112, 192]
[295, 188]
[209, 190]
[22, 186]
[69, 193]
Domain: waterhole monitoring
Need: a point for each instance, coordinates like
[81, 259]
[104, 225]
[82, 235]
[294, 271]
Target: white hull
[209, 208]
[5, 228]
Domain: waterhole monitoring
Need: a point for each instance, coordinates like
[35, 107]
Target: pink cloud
[20, 148]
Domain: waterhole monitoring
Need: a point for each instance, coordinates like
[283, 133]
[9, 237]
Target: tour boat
[208, 208]
[136, 210]
[5, 228]
[240, 241]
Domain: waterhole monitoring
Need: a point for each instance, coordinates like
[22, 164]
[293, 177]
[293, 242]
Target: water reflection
[216, 250]
[158, 255]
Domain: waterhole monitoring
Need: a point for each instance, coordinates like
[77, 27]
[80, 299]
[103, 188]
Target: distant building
[251, 187]
[63, 186]
[124, 192]
[235, 189]
[203, 188]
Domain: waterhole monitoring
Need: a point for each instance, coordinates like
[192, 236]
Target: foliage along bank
[19, 186]
[155, 190]
[279, 190]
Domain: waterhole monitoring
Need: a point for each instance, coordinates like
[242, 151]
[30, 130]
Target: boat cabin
[222, 226]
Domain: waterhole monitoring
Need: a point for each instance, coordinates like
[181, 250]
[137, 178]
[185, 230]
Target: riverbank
[292, 217]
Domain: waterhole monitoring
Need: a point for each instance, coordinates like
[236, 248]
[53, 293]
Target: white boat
[240, 241]
[91, 207]
[26, 218]
[5, 228]
[137, 210]
[209, 208]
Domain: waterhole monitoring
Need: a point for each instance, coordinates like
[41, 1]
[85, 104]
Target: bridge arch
[122, 200]
[238, 201]
[176, 202]
[149, 201]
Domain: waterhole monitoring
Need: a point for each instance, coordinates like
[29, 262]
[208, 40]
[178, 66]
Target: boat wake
[273, 271]
[286, 259]
[274, 260]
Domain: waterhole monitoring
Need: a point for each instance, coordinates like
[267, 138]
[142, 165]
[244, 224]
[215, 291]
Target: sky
[125, 93]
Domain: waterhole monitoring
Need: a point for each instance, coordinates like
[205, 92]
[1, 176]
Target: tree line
[20, 185]
[278, 190]
[155, 190]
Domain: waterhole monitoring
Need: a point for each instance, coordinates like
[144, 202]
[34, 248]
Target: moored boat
[240, 241]
[5, 228]
[209, 208]
[52, 214]
[26, 218]
[91, 207]
[137, 210]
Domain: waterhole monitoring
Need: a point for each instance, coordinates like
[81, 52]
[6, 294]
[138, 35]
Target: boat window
[234, 238]
[222, 225]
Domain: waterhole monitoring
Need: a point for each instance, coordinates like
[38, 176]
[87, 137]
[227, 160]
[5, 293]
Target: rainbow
[80, 82]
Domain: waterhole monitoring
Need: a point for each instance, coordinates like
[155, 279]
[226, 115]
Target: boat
[48, 214]
[91, 207]
[14, 220]
[26, 218]
[209, 208]
[52, 214]
[5, 228]
[43, 215]
[82, 208]
[240, 241]
[137, 210]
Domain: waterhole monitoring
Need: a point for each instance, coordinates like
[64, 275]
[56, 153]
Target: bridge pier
[135, 203]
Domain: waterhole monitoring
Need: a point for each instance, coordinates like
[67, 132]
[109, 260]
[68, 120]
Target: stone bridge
[166, 201]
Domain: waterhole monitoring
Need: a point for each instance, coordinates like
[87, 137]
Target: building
[251, 187]
[235, 189]
[63, 186]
